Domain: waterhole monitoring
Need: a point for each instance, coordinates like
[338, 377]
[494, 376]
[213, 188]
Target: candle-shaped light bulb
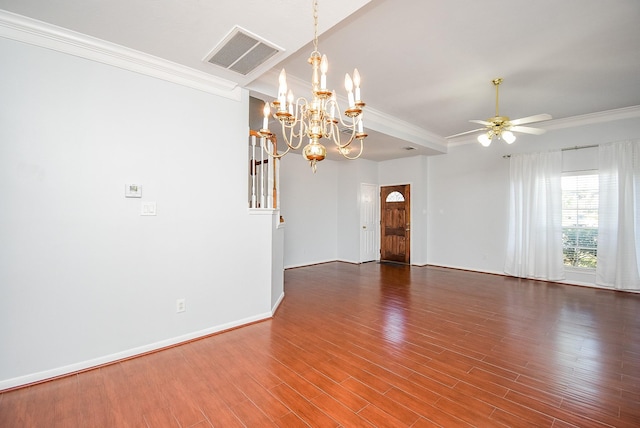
[361, 125]
[282, 90]
[324, 66]
[266, 111]
[356, 82]
[290, 100]
[348, 85]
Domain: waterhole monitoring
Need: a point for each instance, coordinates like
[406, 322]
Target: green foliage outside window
[580, 246]
[580, 196]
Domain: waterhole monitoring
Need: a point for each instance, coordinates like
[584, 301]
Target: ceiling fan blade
[531, 119]
[481, 122]
[465, 133]
[528, 130]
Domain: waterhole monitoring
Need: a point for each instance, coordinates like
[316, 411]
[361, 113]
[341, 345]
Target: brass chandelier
[319, 117]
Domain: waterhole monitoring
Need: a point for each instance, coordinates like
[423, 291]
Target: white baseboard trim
[320, 262]
[277, 304]
[353, 262]
[563, 281]
[492, 272]
[129, 353]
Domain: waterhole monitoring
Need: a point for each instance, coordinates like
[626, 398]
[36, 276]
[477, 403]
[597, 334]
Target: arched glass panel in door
[395, 197]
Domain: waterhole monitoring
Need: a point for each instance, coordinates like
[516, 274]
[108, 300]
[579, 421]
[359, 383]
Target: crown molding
[38, 33]
[390, 125]
[592, 118]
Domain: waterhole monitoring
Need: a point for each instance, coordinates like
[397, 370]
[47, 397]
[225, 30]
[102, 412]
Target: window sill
[576, 269]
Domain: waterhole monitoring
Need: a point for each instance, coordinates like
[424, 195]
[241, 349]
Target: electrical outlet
[148, 208]
[181, 305]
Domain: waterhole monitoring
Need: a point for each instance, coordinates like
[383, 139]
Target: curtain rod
[566, 149]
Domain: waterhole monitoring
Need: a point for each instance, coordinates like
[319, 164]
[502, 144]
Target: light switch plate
[148, 208]
[132, 191]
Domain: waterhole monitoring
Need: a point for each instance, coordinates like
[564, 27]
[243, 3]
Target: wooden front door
[395, 230]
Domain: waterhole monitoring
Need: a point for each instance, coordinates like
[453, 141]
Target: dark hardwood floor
[377, 345]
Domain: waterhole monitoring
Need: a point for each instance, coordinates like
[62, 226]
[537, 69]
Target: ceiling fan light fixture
[485, 139]
[508, 137]
[502, 127]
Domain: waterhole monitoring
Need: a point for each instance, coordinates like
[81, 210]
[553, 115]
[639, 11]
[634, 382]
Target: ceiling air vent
[241, 51]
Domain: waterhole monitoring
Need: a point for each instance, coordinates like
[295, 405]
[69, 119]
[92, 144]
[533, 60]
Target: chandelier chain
[315, 25]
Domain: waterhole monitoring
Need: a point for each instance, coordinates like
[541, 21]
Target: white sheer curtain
[619, 216]
[534, 248]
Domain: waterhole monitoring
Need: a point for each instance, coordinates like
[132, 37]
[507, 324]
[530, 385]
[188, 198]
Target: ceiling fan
[502, 127]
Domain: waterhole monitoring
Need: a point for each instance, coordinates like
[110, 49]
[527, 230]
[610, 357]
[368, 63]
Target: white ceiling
[426, 66]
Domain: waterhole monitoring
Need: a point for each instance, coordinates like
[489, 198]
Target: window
[580, 219]
[395, 197]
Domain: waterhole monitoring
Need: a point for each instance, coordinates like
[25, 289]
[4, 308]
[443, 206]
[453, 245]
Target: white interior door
[368, 224]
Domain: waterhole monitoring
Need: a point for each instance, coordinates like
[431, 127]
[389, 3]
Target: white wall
[350, 175]
[348, 219]
[459, 200]
[309, 206]
[322, 210]
[277, 261]
[468, 208]
[468, 195]
[84, 279]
